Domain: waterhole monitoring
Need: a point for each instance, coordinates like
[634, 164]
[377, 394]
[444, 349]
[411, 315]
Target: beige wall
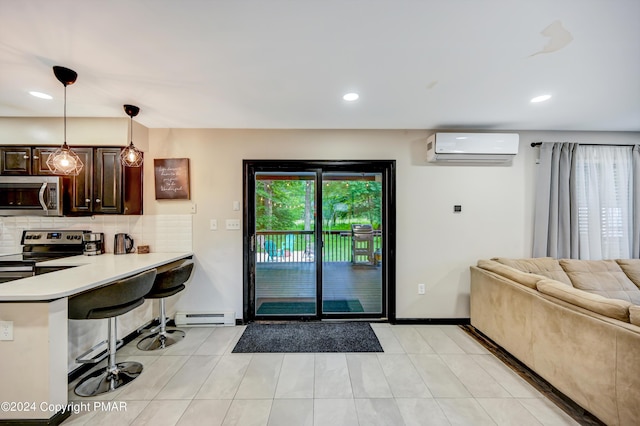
[434, 246]
[80, 131]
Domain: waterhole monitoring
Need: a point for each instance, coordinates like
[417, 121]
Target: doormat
[298, 308]
[308, 337]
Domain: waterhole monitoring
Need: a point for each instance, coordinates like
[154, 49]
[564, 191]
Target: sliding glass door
[284, 240]
[316, 234]
[352, 243]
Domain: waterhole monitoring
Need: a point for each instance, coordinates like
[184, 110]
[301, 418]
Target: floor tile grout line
[467, 351]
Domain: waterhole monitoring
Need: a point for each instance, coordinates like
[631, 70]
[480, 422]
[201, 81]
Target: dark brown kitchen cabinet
[104, 186]
[39, 160]
[21, 160]
[15, 160]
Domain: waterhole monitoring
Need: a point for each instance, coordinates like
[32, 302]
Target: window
[603, 184]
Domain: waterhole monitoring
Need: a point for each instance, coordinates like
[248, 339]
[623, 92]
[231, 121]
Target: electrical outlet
[213, 224]
[421, 289]
[193, 208]
[6, 330]
[232, 224]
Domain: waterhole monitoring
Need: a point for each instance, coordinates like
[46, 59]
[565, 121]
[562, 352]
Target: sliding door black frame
[386, 168]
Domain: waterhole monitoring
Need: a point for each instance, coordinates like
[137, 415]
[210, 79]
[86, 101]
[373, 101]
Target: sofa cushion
[634, 315]
[603, 277]
[612, 308]
[520, 277]
[631, 268]
[546, 266]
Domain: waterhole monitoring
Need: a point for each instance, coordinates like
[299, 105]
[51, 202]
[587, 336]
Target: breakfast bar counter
[34, 329]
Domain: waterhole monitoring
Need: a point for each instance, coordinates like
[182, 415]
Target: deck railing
[299, 246]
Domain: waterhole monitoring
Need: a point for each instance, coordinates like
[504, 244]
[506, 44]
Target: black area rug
[298, 308]
[308, 337]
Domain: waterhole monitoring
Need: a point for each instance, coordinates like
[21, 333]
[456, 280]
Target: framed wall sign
[172, 178]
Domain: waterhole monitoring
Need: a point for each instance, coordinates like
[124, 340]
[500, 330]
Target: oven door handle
[41, 196]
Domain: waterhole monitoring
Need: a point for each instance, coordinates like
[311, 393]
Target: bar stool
[166, 284]
[109, 302]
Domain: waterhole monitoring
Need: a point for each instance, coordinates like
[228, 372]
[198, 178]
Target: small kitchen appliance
[30, 196]
[93, 243]
[122, 244]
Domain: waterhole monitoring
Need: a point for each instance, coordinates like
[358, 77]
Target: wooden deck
[291, 281]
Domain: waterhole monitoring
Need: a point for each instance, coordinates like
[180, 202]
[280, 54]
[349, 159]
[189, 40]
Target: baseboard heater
[205, 319]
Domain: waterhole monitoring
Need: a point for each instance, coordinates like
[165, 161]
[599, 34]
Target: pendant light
[131, 156]
[63, 161]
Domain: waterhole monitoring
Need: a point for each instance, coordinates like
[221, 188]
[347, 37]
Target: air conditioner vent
[476, 148]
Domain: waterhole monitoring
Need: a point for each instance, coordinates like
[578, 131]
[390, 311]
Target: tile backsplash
[162, 233]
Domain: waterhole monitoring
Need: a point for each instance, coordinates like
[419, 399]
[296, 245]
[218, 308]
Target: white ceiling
[417, 64]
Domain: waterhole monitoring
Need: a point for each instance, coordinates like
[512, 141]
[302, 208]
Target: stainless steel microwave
[30, 196]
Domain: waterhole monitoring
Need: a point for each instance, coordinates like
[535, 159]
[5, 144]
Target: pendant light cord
[65, 114]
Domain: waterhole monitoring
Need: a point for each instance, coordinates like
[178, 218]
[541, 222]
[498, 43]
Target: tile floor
[427, 375]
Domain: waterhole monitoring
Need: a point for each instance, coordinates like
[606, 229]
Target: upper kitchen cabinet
[15, 160]
[104, 186]
[21, 160]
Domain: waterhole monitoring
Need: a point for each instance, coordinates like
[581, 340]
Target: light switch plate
[213, 224]
[233, 224]
[6, 330]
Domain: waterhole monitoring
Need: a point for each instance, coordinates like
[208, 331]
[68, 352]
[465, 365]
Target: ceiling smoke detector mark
[432, 84]
[559, 38]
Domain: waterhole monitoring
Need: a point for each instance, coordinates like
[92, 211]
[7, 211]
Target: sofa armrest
[525, 278]
[612, 308]
[634, 315]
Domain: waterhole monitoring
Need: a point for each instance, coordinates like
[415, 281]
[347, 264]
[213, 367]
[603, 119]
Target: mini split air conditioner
[478, 148]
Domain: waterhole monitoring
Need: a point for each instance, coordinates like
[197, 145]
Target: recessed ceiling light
[541, 98]
[40, 95]
[351, 97]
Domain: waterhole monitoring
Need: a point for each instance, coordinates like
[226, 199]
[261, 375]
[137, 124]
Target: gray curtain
[635, 250]
[555, 228]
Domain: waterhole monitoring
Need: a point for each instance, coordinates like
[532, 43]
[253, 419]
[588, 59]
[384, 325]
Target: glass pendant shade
[131, 156]
[63, 161]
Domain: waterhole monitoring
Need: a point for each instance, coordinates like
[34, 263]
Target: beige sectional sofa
[576, 323]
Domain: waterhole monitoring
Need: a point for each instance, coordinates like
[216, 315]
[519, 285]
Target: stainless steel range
[38, 246]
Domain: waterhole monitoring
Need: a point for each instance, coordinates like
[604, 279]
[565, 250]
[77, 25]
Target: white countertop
[88, 272]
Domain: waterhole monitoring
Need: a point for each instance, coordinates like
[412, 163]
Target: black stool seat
[170, 282]
[109, 302]
[167, 283]
[113, 299]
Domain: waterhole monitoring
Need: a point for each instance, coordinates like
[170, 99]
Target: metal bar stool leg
[163, 338]
[114, 376]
